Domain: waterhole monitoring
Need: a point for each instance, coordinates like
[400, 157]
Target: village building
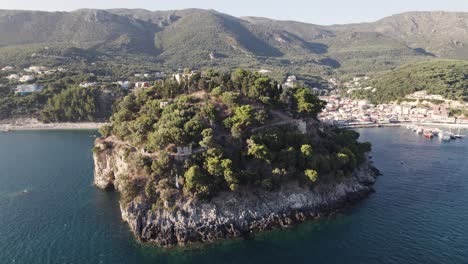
[290, 81]
[13, 77]
[8, 68]
[179, 77]
[263, 71]
[88, 84]
[27, 78]
[36, 69]
[140, 85]
[28, 89]
[162, 105]
[124, 84]
[159, 75]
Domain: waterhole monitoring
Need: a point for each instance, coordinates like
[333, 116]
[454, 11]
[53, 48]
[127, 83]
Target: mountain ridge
[208, 38]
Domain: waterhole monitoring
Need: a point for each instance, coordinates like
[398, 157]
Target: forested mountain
[198, 38]
[448, 78]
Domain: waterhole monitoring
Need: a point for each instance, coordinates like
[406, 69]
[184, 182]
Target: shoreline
[51, 126]
[186, 221]
[463, 126]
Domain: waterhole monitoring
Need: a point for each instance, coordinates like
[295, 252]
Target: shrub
[312, 175]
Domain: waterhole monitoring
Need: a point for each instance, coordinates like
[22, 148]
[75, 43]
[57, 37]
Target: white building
[28, 89]
[88, 84]
[8, 68]
[139, 85]
[163, 104]
[263, 71]
[290, 81]
[13, 77]
[179, 77]
[123, 84]
[36, 69]
[27, 78]
[159, 75]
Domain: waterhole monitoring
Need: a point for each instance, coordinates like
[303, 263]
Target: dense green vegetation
[74, 104]
[443, 77]
[13, 106]
[224, 117]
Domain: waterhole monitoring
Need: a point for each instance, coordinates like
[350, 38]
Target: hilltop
[207, 38]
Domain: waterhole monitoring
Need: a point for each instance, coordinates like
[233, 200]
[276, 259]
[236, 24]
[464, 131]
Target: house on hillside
[139, 85]
[28, 89]
[27, 78]
[88, 84]
[163, 104]
[36, 69]
[179, 77]
[290, 81]
[13, 77]
[124, 84]
[159, 75]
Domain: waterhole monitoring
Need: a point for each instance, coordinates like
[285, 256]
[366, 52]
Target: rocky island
[219, 155]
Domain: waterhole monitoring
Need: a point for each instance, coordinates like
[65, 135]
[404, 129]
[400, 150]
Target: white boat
[419, 131]
[458, 135]
[445, 136]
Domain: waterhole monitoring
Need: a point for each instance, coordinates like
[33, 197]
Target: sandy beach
[33, 124]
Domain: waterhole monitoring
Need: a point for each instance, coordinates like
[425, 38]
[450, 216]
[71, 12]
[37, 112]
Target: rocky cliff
[230, 214]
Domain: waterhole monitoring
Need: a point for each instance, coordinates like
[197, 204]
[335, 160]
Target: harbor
[442, 135]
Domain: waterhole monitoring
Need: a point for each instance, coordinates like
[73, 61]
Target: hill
[207, 38]
[448, 78]
[171, 152]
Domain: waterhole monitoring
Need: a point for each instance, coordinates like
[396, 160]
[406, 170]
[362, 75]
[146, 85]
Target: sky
[323, 12]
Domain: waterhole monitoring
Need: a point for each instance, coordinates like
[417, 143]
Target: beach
[34, 124]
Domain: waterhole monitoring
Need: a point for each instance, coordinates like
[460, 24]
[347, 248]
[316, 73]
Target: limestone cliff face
[230, 214]
[109, 164]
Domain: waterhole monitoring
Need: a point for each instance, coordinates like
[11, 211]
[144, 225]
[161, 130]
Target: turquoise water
[419, 213]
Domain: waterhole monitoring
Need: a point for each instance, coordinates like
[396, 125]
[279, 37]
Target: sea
[50, 212]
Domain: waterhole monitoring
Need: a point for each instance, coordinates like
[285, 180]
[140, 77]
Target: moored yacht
[428, 133]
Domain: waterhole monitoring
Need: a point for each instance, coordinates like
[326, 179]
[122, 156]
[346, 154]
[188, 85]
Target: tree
[258, 151]
[207, 138]
[244, 116]
[352, 161]
[75, 104]
[307, 151]
[307, 104]
[230, 98]
[312, 175]
[342, 159]
[195, 182]
[229, 175]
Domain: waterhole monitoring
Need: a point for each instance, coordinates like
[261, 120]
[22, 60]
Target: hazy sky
[313, 11]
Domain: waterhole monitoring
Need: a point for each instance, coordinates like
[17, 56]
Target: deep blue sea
[419, 213]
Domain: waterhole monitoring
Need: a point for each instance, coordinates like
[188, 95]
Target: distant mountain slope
[445, 34]
[448, 78]
[196, 37]
[81, 28]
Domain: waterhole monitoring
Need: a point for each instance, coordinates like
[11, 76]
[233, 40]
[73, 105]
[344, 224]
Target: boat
[419, 131]
[444, 136]
[458, 135]
[428, 133]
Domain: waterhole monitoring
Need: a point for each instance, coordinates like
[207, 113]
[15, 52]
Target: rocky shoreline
[230, 214]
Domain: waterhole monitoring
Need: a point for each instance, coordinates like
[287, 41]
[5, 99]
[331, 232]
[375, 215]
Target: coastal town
[417, 108]
[340, 110]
